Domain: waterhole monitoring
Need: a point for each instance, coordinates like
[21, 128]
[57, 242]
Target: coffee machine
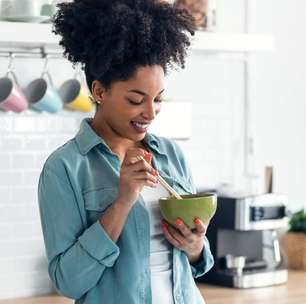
[243, 236]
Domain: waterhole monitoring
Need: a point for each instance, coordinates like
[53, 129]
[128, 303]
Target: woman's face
[129, 107]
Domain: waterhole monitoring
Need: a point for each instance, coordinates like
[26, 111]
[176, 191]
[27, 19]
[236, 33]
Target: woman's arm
[114, 218]
[77, 257]
[77, 254]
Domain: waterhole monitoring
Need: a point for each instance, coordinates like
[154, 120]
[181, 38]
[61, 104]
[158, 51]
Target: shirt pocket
[97, 201]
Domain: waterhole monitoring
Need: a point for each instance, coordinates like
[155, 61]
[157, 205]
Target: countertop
[294, 292]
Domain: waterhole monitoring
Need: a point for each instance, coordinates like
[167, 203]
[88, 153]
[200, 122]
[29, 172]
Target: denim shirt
[79, 181]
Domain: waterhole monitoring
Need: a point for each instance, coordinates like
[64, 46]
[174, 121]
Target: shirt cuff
[205, 263]
[98, 245]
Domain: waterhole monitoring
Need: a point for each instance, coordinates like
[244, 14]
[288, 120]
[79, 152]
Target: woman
[98, 196]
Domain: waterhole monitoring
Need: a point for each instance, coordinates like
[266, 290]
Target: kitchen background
[215, 85]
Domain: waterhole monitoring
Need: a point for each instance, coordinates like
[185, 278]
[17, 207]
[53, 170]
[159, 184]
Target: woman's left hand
[181, 237]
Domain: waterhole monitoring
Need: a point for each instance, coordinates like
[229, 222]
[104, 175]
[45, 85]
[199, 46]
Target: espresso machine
[243, 236]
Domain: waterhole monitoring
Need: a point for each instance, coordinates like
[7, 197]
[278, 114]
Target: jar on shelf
[203, 12]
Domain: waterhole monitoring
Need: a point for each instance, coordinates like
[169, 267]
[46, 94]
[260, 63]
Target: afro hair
[111, 38]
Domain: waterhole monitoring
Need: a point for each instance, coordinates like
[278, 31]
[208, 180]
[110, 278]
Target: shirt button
[178, 298]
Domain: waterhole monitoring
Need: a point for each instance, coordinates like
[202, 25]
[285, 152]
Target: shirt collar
[87, 139]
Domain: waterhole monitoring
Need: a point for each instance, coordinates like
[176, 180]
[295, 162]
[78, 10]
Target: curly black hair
[111, 38]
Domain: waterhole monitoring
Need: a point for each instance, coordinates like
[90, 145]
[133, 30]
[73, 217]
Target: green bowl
[189, 208]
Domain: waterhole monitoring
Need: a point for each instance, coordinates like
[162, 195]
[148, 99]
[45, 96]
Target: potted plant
[295, 241]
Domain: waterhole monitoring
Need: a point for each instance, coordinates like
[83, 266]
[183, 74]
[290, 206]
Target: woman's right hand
[135, 173]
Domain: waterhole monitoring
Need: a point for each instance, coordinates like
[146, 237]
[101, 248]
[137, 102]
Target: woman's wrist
[123, 203]
[114, 218]
[194, 259]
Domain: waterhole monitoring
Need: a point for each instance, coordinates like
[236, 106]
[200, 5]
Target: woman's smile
[140, 127]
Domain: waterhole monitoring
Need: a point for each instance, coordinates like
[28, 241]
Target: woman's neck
[117, 144]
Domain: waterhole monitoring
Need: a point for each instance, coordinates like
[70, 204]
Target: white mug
[19, 8]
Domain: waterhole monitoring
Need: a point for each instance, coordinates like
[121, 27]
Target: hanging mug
[11, 96]
[42, 95]
[75, 94]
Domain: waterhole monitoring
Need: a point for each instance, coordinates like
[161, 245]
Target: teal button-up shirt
[78, 183]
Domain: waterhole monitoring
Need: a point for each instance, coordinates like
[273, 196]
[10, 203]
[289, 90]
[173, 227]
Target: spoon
[164, 183]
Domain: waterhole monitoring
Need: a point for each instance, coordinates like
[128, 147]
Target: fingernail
[197, 221]
[155, 173]
[178, 222]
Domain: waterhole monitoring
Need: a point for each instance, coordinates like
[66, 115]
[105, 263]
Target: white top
[160, 249]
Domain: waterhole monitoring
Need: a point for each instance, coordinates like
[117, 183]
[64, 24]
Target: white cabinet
[31, 35]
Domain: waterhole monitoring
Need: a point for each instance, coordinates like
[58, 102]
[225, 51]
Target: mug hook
[10, 64]
[45, 70]
[10, 68]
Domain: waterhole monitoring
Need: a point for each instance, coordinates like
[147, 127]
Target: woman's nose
[151, 110]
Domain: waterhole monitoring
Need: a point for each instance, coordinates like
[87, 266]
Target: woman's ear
[97, 91]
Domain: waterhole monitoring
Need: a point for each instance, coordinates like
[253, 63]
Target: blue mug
[42, 96]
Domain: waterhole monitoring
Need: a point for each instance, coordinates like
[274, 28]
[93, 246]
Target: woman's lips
[140, 127]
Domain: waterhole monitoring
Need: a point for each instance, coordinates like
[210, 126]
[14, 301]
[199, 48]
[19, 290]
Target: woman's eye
[136, 103]
[158, 100]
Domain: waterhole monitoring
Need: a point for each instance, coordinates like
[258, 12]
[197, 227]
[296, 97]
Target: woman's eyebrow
[143, 93]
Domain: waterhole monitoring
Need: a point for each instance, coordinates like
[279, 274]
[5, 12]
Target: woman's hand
[135, 173]
[181, 237]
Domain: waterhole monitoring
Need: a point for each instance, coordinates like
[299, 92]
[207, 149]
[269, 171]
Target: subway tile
[27, 231]
[11, 143]
[6, 123]
[8, 178]
[6, 231]
[5, 194]
[30, 177]
[7, 284]
[34, 263]
[35, 143]
[27, 253]
[25, 293]
[22, 195]
[5, 161]
[7, 266]
[24, 124]
[23, 161]
[16, 213]
[45, 124]
[30, 247]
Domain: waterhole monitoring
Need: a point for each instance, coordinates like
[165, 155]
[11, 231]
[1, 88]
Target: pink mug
[11, 96]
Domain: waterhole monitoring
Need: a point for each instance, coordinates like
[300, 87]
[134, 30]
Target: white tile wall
[26, 140]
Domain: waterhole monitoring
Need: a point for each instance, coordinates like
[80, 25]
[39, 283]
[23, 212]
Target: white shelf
[232, 42]
[33, 35]
[27, 35]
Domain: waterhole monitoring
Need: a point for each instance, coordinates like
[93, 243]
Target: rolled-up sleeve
[205, 263]
[77, 255]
